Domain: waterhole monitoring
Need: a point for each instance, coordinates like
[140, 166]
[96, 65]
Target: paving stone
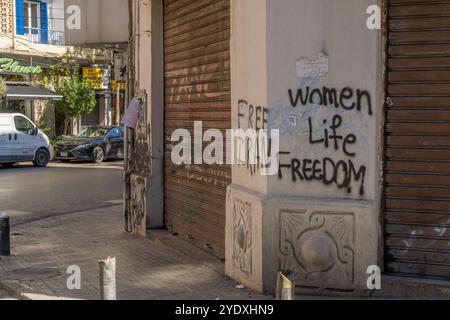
[145, 269]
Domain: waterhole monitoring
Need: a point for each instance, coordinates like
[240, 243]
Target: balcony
[43, 36]
[51, 37]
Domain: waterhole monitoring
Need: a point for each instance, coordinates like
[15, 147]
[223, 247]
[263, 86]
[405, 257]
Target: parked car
[21, 140]
[95, 144]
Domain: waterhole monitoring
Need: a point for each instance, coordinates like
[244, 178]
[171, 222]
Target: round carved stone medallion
[316, 251]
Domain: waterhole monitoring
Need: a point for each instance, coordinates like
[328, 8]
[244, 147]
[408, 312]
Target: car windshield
[93, 133]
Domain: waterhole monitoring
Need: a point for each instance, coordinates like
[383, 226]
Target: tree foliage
[78, 97]
[3, 88]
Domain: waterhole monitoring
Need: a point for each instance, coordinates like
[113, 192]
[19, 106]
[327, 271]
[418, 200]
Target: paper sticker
[310, 68]
[292, 120]
[131, 116]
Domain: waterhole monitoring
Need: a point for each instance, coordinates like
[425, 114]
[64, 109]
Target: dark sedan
[95, 144]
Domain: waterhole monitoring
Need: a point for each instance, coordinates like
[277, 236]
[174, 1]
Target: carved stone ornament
[319, 248]
[242, 236]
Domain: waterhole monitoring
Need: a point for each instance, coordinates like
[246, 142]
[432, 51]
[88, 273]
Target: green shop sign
[13, 66]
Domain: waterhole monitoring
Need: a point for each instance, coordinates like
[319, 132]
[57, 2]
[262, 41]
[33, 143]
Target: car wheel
[98, 155]
[41, 159]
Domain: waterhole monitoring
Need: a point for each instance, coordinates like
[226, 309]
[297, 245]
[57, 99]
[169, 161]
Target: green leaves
[3, 88]
[78, 97]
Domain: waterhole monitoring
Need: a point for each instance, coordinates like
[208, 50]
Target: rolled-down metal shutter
[197, 88]
[417, 177]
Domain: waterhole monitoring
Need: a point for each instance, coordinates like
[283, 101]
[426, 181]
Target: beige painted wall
[23, 46]
[147, 30]
[248, 76]
[338, 29]
[327, 234]
[102, 21]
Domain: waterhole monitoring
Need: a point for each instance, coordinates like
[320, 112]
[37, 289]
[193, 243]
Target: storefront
[416, 184]
[23, 93]
[197, 84]
[363, 119]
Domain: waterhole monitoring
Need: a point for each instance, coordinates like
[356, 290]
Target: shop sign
[98, 78]
[12, 66]
[122, 85]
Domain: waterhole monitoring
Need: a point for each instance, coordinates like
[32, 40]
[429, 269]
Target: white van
[21, 140]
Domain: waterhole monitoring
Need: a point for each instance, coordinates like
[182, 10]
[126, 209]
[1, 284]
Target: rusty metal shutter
[197, 88]
[417, 181]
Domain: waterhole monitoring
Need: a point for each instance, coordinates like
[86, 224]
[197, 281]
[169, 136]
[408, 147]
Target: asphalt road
[28, 193]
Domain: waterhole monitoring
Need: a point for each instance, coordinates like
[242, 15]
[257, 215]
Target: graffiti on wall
[326, 129]
[329, 133]
[253, 117]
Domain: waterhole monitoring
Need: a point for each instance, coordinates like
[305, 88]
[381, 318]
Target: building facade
[33, 34]
[358, 91]
[31, 42]
[40, 21]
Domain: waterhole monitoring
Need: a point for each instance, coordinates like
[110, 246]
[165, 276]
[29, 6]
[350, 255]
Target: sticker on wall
[312, 68]
[292, 120]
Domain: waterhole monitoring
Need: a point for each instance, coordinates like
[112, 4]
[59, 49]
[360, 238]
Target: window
[32, 17]
[114, 133]
[23, 125]
[93, 132]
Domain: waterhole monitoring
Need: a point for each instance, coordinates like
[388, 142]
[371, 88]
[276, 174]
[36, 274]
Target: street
[28, 193]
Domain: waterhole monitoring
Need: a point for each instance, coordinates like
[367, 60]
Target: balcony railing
[52, 37]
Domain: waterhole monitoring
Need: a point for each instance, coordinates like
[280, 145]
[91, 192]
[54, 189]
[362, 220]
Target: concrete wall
[147, 179]
[44, 116]
[102, 21]
[56, 15]
[248, 59]
[321, 225]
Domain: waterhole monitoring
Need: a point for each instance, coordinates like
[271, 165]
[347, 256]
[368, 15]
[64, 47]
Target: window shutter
[20, 17]
[44, 23]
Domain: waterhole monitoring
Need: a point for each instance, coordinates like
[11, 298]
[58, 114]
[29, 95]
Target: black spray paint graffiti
[348, 98]
[330, 135]
[342, 173]
[253, 117]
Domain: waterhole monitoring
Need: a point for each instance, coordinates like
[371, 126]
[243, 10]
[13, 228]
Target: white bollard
[285, 285]
[107, 269]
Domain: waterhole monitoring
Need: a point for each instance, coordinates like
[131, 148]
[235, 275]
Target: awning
[30, 92]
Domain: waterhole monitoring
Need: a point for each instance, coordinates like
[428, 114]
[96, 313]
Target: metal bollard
[107, 269]
[285, 285]
[5, 235]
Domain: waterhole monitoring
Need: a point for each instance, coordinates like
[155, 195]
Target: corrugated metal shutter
[197, 88]
[418, 140]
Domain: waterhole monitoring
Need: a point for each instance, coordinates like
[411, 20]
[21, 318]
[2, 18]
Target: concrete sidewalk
[146, 269]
